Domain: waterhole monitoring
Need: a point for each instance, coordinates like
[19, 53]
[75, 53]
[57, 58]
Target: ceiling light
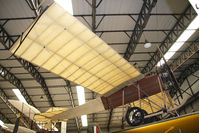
[41, 98]
[80, 94]
[2, 124]
[81, 100]
[147, 44]
[1, 72]
[66, 4]
[19, 95]
[84, 120]
[190, 30]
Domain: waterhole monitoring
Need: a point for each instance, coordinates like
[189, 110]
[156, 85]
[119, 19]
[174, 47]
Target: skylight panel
[190, 30]
[19, 95]
[66, 4]
[81, 100]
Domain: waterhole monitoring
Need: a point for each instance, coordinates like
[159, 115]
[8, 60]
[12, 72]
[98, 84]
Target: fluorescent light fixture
[66, 4]
[80, 94]
[19, 95]
[2, 124]
[193, 26]
[84, 120]
[81, 100]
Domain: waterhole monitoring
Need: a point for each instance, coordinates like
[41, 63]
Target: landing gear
[134, 116]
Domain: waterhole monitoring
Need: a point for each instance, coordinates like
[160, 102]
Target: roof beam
[109, 119]
[128, 14]
[38, 77]
[94, 5]
[70, 94]
[139, 26]
[93, 15]
[187, 16]
[4, 98]
[90, 15]
[135, 30]
[8, 42]
[189, 52]
[3, 117]
[16, 82]
[187, 72]
[34, 6]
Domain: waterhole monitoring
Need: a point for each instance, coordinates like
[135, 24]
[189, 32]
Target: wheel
[134, 116]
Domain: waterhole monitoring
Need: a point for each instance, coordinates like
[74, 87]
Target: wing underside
[61, 44]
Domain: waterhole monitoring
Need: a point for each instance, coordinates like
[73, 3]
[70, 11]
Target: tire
[134, 116]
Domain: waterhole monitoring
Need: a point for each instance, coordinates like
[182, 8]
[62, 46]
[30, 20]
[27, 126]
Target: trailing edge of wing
[92, 106]
[28, 110]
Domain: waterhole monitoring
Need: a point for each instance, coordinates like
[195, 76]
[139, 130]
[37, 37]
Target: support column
[63, 127]
[17, 123]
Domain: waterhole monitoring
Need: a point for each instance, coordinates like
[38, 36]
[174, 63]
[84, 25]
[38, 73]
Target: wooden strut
[123, 117]
[162, 92]
[171, 73]
[148, 98]
[166, 92]
[138, 87]
[150, 106]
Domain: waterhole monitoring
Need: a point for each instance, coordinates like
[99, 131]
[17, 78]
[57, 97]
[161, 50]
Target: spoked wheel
[134, 116]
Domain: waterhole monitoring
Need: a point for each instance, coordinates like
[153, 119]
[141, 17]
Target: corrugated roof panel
[120, 6]
[118, 37]
[116, 23]
[170, 6]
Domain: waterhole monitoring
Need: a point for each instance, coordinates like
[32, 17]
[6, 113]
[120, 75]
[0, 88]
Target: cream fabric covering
[60, 43]
[20, 129]
[28, 110]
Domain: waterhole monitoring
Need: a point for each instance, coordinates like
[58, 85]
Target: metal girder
[187, 72]
[93, 97]
[134, 30]
[3, 117]
[19, 18]
[4, 98]
[93, 15]
[192, 69]
[128, 14]
[109, 119]
[183, 21]
[70, 93]
[38, 77]
[7, 42]
[139, 26]
[5, 39]
[94, 6]
[189, 52]
[35, 6]
[16, 82]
